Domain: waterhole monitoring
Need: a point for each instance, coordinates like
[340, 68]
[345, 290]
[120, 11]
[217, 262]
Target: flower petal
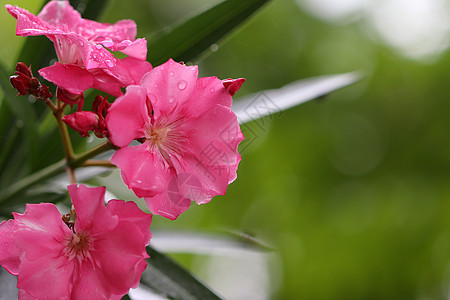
[121, 256]
[127, 116]
[128, 211]
[70, 77]
[129, 70]
[143, 171]
[170, 203]
[169, 86]
[89, 204]
[9, 253]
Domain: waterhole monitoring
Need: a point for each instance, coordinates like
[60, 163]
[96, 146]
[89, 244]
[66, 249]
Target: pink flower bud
[82, 121]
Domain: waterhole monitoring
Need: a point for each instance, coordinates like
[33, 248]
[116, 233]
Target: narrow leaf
[189, 39]
[169, 279]
[256, 106]
[22, 110]
[204, 243]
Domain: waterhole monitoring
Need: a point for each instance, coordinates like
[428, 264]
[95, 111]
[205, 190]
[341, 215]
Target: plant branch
[51, 171]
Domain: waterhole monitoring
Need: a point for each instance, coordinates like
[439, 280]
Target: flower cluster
[176, 141]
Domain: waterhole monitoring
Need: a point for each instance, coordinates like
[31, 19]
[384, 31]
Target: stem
[68, 149]
[33, 179]
[79, 160]
[52, 171]
[98, 163]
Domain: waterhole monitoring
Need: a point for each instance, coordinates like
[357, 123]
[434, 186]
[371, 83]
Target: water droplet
[214, 47]
[212, 90]
[98, 47]
[171, 99]
[109, 63]
[171, 73]
[182, 84]
[94, 56]
[80, 43]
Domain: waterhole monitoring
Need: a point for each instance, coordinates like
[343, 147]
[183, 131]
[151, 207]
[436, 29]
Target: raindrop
[171, 73]
[80, 43]
[98, 47]
[109, 63]
[182, 84]
[214, 47]
[212, 90]
[171, 99]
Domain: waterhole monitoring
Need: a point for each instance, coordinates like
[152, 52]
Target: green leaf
[25, 116]
[189, 39]
[206, 243]
[169, 279]
[268, 102]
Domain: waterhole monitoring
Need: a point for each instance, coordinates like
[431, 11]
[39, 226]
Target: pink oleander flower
[100, 256]
[79, 43]
[188, 134]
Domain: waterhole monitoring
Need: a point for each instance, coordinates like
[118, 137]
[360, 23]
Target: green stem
[68, 149]
[52, 171]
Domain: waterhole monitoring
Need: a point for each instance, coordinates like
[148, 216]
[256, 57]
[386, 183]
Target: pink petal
[92, 215]
[143, 171]
[27, 23]
[120, 255]
[9, 254]
[169, 86]
[136, 49]
[46, 277]
[41, 224]
[130, 70]
[127, 116]
[40, 234]
[217, 141]
[106, 82]
[233, 85]
[171, 203]
[90, 284]
[211, 92]
[128, 211]
[70, 77]
[103, 32]
[61, 14]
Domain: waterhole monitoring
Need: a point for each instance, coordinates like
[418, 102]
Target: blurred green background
[351, 191]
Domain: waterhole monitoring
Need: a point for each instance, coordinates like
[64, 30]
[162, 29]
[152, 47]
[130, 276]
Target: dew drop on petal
[212, 90]
[109, 63]
[182, 84]
[171, 99]
[98, 47]
[171, 73]
[80, 43]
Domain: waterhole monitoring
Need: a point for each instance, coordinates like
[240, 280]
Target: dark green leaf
[169, 279]
[189, 39]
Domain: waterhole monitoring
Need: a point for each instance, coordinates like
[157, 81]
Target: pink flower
[189, 138]
[100, 256]
[80, 42]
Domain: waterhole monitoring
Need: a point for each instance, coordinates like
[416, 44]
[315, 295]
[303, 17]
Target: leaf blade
[189, 39]
[259, 105]
[169, 279]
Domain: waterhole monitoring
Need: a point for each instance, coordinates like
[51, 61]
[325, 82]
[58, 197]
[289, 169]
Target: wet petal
[128, 116]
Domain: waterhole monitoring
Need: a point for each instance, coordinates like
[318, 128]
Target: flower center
[166, 137]
[79, 246]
